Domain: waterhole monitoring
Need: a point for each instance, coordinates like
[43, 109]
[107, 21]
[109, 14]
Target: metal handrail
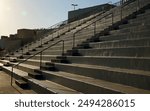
[122, 5]
[40, 52]
[90, 25]
[69, 28]
[57, 30]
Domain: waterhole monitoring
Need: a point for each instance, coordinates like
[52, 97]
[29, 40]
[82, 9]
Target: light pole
[74, 5]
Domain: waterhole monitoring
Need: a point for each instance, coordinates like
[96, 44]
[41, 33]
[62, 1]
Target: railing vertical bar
[40, 60]
[74, 40]
[138, 5]
[58, 33]
[12, 73]
[112, 18]
[22, 51]
[94, 28]
[121, 12]
[28, 47]
[63, 47]
[41, 41]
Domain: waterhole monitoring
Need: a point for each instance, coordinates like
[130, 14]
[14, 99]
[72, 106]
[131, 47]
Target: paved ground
[6, 88]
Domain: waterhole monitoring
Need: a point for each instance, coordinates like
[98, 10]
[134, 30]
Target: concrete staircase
[114, 60]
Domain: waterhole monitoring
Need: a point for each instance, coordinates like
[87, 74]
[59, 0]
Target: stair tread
[131, 71]
[57, 88]
[114, 69]
[100, 83]
[124, 33]
[21, 81]
[115, 41]
[116, 48]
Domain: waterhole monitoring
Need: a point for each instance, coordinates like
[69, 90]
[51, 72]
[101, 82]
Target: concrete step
[66, 43]
[53, 52]
[48, 67]
[136, 23]
[22, 84]
[36, 75]
[120, 62]
[127, 51]
[44, 57]
[41, 86]
[121, 43]
[146, 13]
[124, 36]
[140, 18]
[88, 85]
[136, 78]
[131, 29]
[111, 87]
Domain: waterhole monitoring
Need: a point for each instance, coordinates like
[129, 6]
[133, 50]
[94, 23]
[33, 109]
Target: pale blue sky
[16, 14]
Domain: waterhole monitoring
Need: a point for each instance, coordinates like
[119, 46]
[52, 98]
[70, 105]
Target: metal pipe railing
[93, 23]
[57, 28]
[40, 52]
[74, 37]
[122, 5]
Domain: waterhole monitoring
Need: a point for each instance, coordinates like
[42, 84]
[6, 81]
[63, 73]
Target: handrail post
[41, 42]
[69, 27]
[40, 60]
[74, 40]
[112, 18]
[28, 47]
[12, 73]
[94, 28]
[138, 5]
[121, 12]
[22, 51]
[121, 3]
[58, 33]
[9, 56]
[52, 35]
[63, 47]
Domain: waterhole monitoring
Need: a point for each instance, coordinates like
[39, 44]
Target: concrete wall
[82, 13]
[9, 45]
[26, 35]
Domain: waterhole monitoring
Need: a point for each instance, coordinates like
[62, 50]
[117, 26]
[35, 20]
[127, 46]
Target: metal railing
[94, 24]
[41, 56]
[121, 4]
[57, 29]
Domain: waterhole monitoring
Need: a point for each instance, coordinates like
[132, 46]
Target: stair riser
[133, 29]
[144, 15]
[141, 64]
[135, 23]
[129, 31]
[78, 85]
[36, 87]
[123, 36]
[53, 52]
[39, 89]
[68, 41]
[43, 58]
[118, 77]
[140, 17]
[130, 52]
[125, 43]
[59, 44]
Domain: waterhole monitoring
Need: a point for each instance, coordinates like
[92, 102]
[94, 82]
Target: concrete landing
[6, 88]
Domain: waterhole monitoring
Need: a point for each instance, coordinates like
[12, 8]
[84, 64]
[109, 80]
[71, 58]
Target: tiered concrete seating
[114, 58]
